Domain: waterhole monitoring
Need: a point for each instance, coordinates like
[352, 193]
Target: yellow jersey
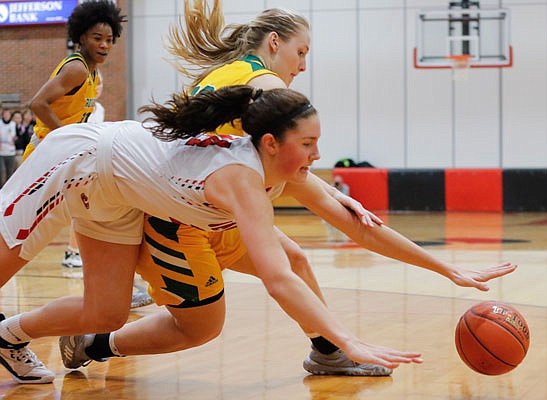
[73, 107]
[239, 72]
[203, 253]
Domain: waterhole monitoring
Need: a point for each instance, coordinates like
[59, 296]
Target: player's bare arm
[255, 222]
[385, 241]
[70, 77]
[366, 217]
[267, 81]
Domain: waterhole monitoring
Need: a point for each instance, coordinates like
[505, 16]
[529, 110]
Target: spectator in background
[17, 117]
[339, 184]
[24, 127]
[7, 146]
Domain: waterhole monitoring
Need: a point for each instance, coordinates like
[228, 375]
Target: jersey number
[85, 117]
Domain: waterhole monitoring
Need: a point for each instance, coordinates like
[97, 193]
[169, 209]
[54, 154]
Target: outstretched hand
[364, 353]
[478, 278]
[366, 217]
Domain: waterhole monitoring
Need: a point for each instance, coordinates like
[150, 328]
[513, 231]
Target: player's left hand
[366, 217]
[478, 278]
[365, 353]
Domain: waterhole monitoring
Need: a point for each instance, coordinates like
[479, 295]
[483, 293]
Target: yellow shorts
[183, 265]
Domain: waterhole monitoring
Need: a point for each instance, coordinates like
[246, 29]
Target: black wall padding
[416, 190]
[525, 189]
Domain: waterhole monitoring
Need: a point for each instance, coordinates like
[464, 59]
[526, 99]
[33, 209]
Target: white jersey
[167, 178]
[104, 176]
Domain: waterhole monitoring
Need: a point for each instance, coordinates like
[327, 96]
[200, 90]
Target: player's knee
[208, 335]
[103, 320]
[106, 325]
[114, 322]
[197, 336]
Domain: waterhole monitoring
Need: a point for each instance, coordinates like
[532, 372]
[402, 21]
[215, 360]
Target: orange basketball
[492, 338]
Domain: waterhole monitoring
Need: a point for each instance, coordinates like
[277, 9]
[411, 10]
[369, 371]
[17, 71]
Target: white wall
[374, 105]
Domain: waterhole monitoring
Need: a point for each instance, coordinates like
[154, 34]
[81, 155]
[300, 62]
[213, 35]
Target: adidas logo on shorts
[212, 280]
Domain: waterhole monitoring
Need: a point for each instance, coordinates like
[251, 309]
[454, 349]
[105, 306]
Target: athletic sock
[323, 345]
[100, 347]
[11, 331]
[112, 344]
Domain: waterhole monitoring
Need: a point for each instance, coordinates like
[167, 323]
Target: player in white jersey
[118, 161]
[104, 178]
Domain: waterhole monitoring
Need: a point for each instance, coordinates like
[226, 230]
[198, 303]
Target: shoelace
[25, 355]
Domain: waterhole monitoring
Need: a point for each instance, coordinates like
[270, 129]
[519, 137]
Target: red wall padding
[473, 189]
[367, 185]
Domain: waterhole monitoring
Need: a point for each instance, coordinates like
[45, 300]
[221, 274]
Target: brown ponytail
[185, 116]
[270, 111]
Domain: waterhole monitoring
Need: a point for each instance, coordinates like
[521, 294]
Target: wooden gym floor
[260, 353]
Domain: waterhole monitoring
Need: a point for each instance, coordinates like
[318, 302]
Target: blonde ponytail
[207, 43]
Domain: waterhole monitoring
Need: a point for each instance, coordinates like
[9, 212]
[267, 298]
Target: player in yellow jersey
[268, 52]
[69, 94]
[72, 106]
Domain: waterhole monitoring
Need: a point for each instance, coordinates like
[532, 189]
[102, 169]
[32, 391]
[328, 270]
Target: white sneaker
[72, 259]
[24, 366]
[338, 363]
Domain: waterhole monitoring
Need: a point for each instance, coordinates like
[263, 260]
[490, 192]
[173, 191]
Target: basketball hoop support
[460, 65]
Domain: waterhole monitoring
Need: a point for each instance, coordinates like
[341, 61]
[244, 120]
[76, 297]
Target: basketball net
[460, 65]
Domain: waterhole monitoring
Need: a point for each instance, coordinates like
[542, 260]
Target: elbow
[33, 106]
[38, 105]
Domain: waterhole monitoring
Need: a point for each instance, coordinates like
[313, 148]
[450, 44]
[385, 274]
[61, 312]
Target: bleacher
[10, 100]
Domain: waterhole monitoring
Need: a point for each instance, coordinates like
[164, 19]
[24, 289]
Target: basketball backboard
[481, 34]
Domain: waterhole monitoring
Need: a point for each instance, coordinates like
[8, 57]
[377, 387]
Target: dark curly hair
[93, 12]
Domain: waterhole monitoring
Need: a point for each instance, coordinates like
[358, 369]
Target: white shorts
[45, 193]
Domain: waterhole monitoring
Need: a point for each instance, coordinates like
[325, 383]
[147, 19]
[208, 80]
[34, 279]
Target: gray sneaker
[73, 350]
[338, 363]
[24, 366]
[140, 299]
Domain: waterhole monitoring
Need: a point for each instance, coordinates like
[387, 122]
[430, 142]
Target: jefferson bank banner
[35, 12]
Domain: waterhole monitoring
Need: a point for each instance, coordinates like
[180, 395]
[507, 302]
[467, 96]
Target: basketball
[492, 338]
